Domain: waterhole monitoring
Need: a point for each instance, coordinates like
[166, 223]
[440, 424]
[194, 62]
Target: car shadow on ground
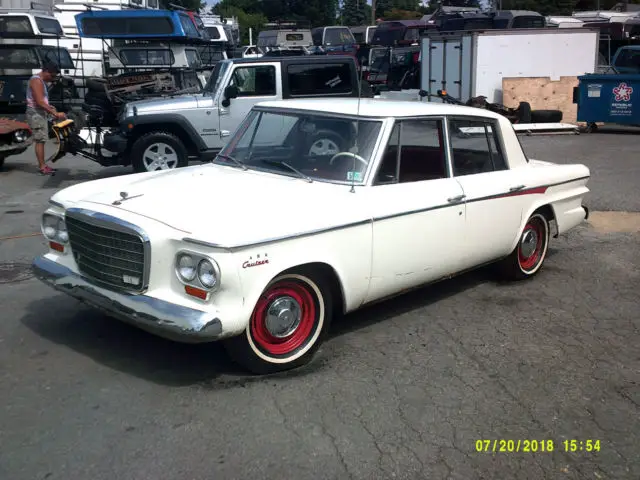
[132, 351]
[65, 174]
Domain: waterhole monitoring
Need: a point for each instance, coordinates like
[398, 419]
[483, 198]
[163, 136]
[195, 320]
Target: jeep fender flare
[163, 120]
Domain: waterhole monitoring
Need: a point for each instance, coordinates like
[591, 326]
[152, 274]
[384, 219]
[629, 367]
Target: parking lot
[402, 390]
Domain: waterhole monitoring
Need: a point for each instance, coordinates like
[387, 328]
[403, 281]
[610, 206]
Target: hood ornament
[125, 196]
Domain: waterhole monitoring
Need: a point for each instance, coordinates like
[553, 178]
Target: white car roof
[379, 108]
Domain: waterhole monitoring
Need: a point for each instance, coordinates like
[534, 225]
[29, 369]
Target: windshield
[216, 76]
[60, 56]
[18, 58]
[304, 145]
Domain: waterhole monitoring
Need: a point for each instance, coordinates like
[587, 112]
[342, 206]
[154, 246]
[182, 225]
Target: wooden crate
[543, 94]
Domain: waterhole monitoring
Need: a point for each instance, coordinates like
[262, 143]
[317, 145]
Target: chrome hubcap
[159, 156]
[528, 243]
[283, 317]
[323, 147]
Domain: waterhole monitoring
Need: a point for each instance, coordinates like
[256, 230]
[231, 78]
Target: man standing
[37, 109]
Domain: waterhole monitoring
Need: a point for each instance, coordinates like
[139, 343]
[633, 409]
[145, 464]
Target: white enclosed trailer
[472, 64]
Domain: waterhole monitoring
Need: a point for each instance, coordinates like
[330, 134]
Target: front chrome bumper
[162, 318]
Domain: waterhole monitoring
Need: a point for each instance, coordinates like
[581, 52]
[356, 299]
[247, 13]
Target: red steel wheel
[284, 317]
[531, 250]
[286, 325]
[533, 243]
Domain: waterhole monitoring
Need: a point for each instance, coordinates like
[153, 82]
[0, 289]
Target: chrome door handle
[519, 187]
[456, 199]
[225, 133]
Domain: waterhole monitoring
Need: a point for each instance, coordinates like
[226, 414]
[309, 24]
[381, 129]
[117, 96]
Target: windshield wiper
[293, 169]
[237, 162]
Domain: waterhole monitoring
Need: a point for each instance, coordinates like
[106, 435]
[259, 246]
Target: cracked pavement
[400, 390]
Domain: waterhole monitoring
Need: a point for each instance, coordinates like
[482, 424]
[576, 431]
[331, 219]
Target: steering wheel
[354, 155]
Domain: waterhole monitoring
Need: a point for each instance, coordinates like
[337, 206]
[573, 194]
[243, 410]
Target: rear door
[494, 196]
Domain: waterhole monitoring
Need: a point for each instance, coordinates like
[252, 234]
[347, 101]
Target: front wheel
[528, 256]
[158, 151]
[287, 325]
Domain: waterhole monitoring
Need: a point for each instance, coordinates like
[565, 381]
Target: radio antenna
[355, 146]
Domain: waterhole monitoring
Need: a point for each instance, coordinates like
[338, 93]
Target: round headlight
[207, 274]
[63, 235]
[186, 267]
[50, 226]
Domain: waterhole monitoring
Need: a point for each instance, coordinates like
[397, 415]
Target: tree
[353, 13]
[253, 21]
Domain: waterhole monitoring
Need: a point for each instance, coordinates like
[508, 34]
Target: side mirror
[225, 102]
[230, 92]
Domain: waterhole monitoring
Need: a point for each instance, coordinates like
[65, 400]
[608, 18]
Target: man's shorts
[39, 125]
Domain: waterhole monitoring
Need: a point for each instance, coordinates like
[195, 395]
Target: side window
[255, 81]
[422, 153]
[319, 79]
[475, 147]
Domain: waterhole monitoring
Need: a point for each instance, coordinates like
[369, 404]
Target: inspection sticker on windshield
[354, 176]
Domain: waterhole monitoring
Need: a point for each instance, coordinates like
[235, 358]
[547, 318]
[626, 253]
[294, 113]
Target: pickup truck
[165, 133]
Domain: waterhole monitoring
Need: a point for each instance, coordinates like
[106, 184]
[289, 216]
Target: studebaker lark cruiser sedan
[314, 208]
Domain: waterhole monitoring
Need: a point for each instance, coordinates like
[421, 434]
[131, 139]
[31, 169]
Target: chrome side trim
[232, 248]
[110, 222]
[57, 204]
[160, 317]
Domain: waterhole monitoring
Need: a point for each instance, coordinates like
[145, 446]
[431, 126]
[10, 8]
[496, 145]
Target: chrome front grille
[108, 252]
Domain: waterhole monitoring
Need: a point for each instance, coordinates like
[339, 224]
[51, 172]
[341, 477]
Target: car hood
[164, 104]
[225, 205]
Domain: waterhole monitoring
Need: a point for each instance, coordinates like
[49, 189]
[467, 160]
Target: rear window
[49, 26]
[338, 36]
[150, 57]
[128, 26]
[15, 24]
[528, 22]
[213, 32]
[319, 79]
[294, 37]
[18, 58]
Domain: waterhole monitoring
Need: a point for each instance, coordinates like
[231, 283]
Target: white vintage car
[313, 209]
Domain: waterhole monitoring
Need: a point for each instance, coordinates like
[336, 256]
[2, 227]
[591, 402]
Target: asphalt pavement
[401, 390]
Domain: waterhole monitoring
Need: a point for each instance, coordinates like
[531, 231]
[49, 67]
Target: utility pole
[373, 12]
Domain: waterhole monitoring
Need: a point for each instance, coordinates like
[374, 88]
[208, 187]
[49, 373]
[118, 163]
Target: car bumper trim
[165, 319]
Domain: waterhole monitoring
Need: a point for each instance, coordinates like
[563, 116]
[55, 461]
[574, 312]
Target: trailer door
[447, 65]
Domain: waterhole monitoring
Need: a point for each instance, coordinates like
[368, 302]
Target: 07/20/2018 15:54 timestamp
[533, 446]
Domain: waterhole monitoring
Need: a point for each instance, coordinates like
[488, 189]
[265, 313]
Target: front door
[205, 120]
[256, 83]
[418, 211]
[494, 195]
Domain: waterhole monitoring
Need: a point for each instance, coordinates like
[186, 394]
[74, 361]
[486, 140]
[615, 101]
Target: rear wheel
[527, 258]
[287, 325]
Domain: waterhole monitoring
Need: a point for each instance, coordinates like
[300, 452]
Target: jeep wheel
[158, 151]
